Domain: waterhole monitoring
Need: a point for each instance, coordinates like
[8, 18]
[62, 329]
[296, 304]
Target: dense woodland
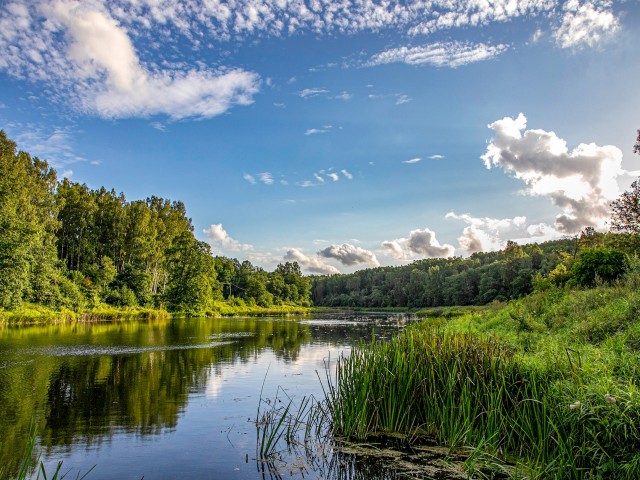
[581, 260]
[65, 245]
[481, 278]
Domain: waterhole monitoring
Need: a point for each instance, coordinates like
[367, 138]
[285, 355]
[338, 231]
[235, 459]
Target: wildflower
[609, 398]
[575, 405]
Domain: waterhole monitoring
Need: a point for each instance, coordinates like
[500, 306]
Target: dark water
[167, 399]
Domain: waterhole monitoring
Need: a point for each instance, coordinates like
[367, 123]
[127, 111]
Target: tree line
[65, 245]
[484, 277]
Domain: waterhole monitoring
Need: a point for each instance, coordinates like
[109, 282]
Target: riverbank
[542, 387]
[28, 313]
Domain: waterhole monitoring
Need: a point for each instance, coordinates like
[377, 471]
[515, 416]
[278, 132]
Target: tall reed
[475, 392]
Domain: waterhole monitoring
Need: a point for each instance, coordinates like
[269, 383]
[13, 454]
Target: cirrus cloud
[440, 54]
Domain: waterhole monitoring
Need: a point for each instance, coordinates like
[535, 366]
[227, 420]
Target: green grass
[31, 313]
[226, 309]
[544, 387]
[31, 465]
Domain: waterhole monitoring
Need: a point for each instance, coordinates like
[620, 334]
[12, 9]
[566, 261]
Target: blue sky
[341, 134]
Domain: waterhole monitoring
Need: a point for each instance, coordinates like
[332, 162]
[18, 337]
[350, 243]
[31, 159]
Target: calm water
[166, 399]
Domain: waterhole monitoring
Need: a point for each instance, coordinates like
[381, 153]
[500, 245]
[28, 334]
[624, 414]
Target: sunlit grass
[544, 387]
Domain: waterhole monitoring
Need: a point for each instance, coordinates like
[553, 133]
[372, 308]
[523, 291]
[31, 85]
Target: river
[170, 398]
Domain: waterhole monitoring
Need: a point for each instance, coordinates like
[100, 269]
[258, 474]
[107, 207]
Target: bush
[605, 264]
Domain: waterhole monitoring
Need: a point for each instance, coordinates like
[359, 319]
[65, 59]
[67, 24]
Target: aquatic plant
[543, 387]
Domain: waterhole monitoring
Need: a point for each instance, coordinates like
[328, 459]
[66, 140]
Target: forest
[483, 277]
[66, 246]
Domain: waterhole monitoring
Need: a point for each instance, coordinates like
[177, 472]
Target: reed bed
[477, 394]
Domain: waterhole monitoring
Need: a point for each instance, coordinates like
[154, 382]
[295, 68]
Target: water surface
[166, 398]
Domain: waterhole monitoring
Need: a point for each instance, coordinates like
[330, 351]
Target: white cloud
[582, 182]
[159, 126]
[347, 175]
[316, 131]
[402, 99]
[311, 264]
[87, 55]
[243, 18]
[249, 178]
[412, 161]
[311, 92]
[419, 244]
[333, 176]
[349, 255]
[102, 57]
[218, 237]
[436, 157]
[537, 35]
[585, 24]
[318, 178]
[266, 178]
[343, 96]
[56, 146]
[490, 234]
[451, 54]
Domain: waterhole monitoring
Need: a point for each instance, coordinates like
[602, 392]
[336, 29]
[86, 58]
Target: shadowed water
[169, 398]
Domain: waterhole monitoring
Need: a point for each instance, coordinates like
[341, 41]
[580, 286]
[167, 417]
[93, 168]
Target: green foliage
[27, 226]
[109, 250]
[598, 263]
[482, 278]
[546, 386]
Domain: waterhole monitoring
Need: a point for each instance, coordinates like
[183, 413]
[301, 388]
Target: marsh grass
[544, 387]
[32, 314]
[31, 465]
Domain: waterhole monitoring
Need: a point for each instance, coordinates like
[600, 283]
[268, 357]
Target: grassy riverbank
[544, 387]
[32, 313]
[35, 314]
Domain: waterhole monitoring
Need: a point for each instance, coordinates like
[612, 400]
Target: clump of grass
[32, 314]
[31, 464]
[553, 415]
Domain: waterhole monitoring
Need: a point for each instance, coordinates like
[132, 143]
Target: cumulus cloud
[436, 157]
[420, 243]
[218, 237]
[412, 161]
[582, 182]
[349, 255]
[346, 173]
[485, 234]
[333, 176]
[311, 264]
[88, 57]
[585, 24]
[440, 54]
